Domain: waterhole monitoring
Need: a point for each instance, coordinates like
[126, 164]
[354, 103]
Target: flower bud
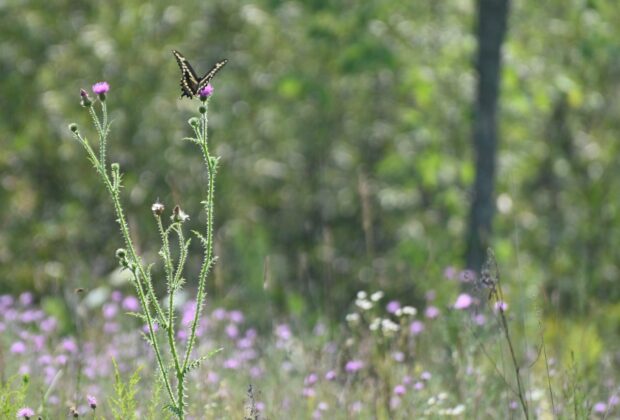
[202, 109]
[86, 102]
[157, 208]
[179, 215]
[73, 127]
[193, 122]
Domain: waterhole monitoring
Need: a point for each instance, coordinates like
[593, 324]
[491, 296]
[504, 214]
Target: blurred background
[353, 155]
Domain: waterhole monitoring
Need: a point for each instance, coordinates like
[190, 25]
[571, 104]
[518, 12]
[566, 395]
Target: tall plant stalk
[170, 363]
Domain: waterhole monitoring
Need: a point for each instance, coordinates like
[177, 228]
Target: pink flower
[353, 366]
[432, 312]
[500, 305]
[416, 327]
[130, 303]
[311, 379]
[206, 91]
[464, 301]
[101, 88]
[393, 306]
[600, 407]
[18, 347]
[92, 401]
[25, 412]
[330, 376]
[400, 390]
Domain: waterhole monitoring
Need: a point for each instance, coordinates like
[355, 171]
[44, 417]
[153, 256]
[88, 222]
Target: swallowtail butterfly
[191, 85]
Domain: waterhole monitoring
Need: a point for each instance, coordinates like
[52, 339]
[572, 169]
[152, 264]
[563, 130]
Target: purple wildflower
[92, 401]
[398, 356]
[232, 331]
[101, 88]
[400, 389]
[311, 379]
[25, 412]
[18, 347]
[110, 310]
[418, 386]
[308, 392]
[206, 92]
[330, 376]
[116, 296]
[236, 316]
[393, 306]
[353, 366]
[69, 345]
[130, 303]
[49, 324]
[432, 312]
[500, 305]
[449, 273]
[426, 375]
[26, 298]
[480, 319]
[464, 301]
[283, 332]
[416, 327]
[600, 407]
[232, 364]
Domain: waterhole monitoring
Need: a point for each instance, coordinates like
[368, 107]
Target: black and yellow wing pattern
[191, 84]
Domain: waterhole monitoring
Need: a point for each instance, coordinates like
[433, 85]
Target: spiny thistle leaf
[196, 363]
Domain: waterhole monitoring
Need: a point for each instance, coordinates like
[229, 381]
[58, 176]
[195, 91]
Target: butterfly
[191, 85]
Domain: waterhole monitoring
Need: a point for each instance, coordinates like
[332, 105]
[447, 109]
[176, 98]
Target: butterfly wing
[190, 85]
[204, 81]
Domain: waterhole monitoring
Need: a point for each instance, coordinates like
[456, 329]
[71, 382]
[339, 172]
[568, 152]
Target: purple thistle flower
[25, 412]
[236, 316]
[206, 92]
[308, 392]
[353, 366]
[393, 306]
[500, 305]
[130, 303]
[18, 347]
[400, 390]
[464, 301]
[101, 88]
[432, 312]
[92, 401]
[600, 407]
[330, 376]
[416, 327]
[26, 298]
[311, 379]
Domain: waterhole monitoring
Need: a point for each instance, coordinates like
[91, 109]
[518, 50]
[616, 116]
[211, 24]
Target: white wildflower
[374, 325]
[410, 310]
[353, 318]
[375, 297]
[361, 294]
[364, 304]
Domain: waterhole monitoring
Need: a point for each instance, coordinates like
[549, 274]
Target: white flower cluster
[406, 310]
[362, 301]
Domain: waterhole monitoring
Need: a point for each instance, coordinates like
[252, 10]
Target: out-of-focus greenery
[344, 130]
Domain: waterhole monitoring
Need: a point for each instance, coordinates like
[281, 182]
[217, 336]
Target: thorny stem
[141, 274]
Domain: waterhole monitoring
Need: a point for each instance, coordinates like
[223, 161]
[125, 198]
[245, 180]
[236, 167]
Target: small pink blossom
[101, 87]
[393, 306]
[25, 412]
[18, 347]
[206, 91]
[464, 301]
[432, 312]
[353, 366]
[416, 327]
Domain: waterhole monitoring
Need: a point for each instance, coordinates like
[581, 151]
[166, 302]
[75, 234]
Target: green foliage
[124, 403]
[12, 395]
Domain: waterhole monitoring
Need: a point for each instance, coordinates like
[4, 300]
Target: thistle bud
[202, 109]
[157, 208]
[73, 127]
[86, 102]
[179, 215]
[193, 122]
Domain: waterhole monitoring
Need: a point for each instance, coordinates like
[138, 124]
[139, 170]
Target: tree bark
[491, 30]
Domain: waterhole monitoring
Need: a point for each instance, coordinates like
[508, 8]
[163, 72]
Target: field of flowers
[386, 360]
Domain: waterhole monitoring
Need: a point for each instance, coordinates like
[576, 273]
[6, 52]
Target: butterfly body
[191, 84]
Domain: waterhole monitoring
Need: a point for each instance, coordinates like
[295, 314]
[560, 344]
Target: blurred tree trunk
[491, 30]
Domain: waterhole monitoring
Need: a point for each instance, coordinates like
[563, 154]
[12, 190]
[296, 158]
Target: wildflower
[449, 273]
[92, 401]
[179, 215]
[283, 332]
[361, 294]
[236, 316]
[109, 310]
[600, 407]
[416, 327]
[426, 376]
[432, 312]
[363, 304]
[480, 319]
[393, 306]
[69, 345]
[101, 88]
[409, 310]
[26, 298]
[308, 392]
[353, 318]
[74, 412]
[388, 326]
[464, 301]
[157, 208]
[418, 386]
[500, 305]
[49, 324]
[232, 364]
[130, 303]
[206, 92]
[73, 127]
[400, 389]
[25, 412]
[323, 406]
[353, 366]
[311, 379]
[376, 296]
[232, 331]
[330, 375]
[18, 347]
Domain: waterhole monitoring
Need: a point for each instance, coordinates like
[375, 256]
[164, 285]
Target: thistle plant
[173, 363]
